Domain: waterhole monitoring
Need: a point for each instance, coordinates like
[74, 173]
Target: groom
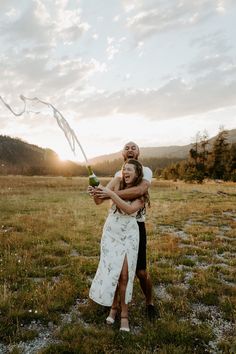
[131, 151]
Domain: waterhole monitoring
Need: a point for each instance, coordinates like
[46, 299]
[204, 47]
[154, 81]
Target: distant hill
[180, 152]
[147, 152]
[19, 157]
[17, 151]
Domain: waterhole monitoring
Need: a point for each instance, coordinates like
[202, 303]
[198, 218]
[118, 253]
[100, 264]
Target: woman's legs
[123, 281]
[112, 314]
[115, 300]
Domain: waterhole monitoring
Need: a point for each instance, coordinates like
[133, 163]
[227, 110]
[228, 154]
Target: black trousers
[142, 257]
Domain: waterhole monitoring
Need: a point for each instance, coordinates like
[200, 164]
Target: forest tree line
[217, 162]
[108, 168]
[20, 158]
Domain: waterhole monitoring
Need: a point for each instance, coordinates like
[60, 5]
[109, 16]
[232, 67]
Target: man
[131, 151]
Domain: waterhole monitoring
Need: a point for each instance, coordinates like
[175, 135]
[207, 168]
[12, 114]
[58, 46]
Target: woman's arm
[95, 191]
[121, 204]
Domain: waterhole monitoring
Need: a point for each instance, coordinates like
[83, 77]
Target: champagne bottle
[93, 180]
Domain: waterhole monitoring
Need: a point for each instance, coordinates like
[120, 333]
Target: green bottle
[93, 180]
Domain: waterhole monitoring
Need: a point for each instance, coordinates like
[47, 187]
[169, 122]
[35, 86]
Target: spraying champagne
[65, 127]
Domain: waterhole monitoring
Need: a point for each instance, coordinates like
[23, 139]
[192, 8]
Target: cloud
[212, 42]
[69, 26]
[130, 5]
[40, 23]
[116, 18]
[218, 62]
[35, 57]
[111, 51]
[95, 36]
[114, 46]
[156, 17]
[45, 77]
[38, 59]
[6, 5]
[214, 55]
[176, 98]
[32, 23]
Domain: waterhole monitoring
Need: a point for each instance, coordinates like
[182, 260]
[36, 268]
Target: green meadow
[50, 233]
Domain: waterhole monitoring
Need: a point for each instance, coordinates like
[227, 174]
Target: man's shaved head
[130, 151]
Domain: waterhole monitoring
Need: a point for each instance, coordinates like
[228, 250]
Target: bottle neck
[90, 171]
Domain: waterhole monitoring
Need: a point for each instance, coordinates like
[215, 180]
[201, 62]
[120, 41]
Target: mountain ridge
[172, 151]
[17, 155]
[20, 157]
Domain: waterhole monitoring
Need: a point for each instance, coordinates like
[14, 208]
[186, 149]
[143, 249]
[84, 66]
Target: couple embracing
[123, 243]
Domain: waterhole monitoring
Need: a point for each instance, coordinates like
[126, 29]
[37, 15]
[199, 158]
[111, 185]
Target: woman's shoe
[112, 315]
[124, 327]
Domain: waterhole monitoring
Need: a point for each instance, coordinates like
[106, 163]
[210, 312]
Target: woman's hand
[102, 192]
[92, 190]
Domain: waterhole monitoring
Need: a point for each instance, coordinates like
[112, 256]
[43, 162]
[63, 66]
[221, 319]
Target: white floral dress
[120, 238]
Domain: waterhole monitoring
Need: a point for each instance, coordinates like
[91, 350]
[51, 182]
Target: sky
[156, 72]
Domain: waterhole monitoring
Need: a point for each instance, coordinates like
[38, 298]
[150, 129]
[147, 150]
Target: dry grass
[49, 234]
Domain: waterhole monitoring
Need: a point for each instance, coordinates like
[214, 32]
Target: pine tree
[198, 155]
[232, 162]
[220, 156]
[204, 153]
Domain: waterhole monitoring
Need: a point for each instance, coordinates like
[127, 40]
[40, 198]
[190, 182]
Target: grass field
[50, 233]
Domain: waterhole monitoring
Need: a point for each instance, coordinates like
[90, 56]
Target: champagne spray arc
[63, 125]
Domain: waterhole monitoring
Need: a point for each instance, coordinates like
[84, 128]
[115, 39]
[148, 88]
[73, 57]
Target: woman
[119, 246]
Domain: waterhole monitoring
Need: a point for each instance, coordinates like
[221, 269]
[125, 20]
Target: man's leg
[142, 274]
[146, 285]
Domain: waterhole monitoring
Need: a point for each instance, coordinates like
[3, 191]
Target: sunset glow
[153, 72]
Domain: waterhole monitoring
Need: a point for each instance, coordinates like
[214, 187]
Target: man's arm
[126, 194]
[134, 192]
[121, 204]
